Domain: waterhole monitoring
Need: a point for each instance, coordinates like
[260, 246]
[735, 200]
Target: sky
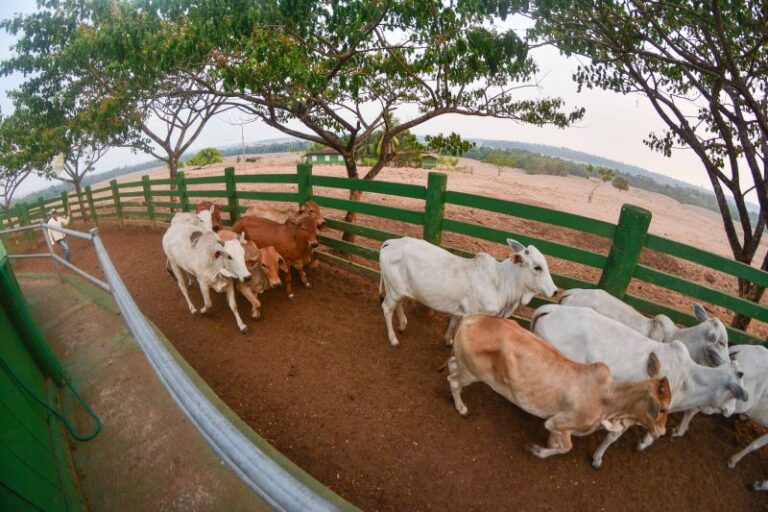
[614, 126]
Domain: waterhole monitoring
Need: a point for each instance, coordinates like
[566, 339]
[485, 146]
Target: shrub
[620, 183]
[206, 156]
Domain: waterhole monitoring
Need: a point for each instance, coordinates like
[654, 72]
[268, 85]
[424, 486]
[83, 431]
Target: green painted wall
[29, 472]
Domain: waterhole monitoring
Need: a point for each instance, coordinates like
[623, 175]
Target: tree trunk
[751, 292]
[173, 166]
[351, 217]
[592, 193]
[79, 193]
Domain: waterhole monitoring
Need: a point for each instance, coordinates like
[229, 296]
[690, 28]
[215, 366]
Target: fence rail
[627, 238]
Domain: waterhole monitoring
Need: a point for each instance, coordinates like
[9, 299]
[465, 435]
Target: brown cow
[293, 239]
[263, 264]
[576, 399]
[215, 215]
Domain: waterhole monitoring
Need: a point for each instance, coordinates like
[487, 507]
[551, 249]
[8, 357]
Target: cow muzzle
[246, 278]
[314, 245]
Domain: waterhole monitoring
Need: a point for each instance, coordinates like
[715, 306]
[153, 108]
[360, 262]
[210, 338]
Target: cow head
[231, 257]
[205, 218]
[312, 209]
[713, 334]
[534, 271]
[271, 263]
[306, 229]
[724, 396]
[652, 410]
[215, 217]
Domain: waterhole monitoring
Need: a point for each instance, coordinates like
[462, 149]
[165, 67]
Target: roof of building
[323, 151]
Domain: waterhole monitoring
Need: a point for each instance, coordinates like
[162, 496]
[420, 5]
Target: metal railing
[270, 480]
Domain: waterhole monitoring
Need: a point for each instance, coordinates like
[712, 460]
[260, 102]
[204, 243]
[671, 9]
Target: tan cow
[576, 399]
[284, 212]
[263, 264]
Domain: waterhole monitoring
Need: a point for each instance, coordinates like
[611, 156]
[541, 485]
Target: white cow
[194, 251]
[753, 361]
[203, 218]
[458, 286]
[707, 342]
[586, 336]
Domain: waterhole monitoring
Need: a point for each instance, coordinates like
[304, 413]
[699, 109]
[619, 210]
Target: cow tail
[168, 268]
[444, 366]
[381, 289]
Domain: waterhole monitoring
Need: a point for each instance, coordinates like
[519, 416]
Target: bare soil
[318, 379]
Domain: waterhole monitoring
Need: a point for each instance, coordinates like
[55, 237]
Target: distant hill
[647, 176]
[283, 145]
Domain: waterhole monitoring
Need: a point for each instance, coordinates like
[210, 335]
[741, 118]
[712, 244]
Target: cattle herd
[589, 362]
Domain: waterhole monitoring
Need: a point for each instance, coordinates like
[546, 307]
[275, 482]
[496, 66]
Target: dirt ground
[318, 379]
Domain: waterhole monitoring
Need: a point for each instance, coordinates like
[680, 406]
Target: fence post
[41, 206]
[26, 221]
[234, 205]
[116, 201]
[181, 188]
[65, 204]
[148, 199]
[434, 209]
[304, 172]
[91, 204]
[628, 241]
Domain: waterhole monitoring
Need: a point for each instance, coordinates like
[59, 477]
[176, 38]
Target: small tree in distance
[605, 174]
[206, 156]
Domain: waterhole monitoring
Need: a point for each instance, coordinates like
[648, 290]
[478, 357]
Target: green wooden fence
[157, 199]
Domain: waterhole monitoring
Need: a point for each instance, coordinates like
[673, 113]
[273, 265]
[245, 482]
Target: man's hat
[52, 211]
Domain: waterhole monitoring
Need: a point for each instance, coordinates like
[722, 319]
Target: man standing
[58, 237]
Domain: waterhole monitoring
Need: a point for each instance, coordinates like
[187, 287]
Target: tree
[605, 174]
[703, 66]
[328, 73]
[621, 183]
[206, 156]
[21, 155]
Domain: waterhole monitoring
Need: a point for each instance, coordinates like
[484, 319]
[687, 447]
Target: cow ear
[515, 245]
[282, 265]
[664, 388]
[241, 238]
[218, 254]
[653, 365]
[518, 259]
[212, 208]
[699, 312]
[653, 407]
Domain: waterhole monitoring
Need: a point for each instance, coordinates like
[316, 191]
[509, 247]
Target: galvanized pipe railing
[275, 484]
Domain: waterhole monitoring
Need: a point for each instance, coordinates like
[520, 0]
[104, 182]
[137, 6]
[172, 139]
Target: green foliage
[620, 183]
[450, 145]
[206, 156]
[331, 73]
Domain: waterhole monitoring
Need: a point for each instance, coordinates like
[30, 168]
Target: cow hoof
[395, 344]
[245, 330]
[290, 296]
[464, 414]
[731, 463]
[308, 285]
[597, 463]
[534, 449]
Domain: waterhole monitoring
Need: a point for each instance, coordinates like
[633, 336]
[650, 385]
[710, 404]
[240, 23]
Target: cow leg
[252, 298]
[559, 437]
[754, 445]
[452, 326]
[288, 279]
[457, 381]
[647, 441]
[180, 276]
[402, 321]
[205, 291]
[388, 306]
[303, 276]
[597, 457]
[682, 428]
[230, 291]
